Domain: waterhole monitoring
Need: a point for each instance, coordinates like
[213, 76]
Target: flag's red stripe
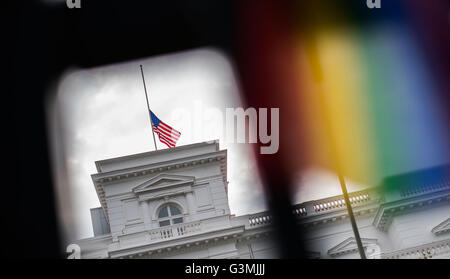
[167, 139]
[169, 130]
[168, 145]
[165, 134]
[165, 142]
[161, 135]
[168, 133]
[172, 136]
[167, 127]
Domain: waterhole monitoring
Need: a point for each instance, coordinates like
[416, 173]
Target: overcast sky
[104, 115]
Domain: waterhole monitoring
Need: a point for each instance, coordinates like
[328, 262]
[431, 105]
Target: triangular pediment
[443, 227]
[163, 181]
[349, 246]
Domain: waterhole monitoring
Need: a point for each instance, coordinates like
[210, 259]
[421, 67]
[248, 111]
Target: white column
[146, 213]
[191, 203]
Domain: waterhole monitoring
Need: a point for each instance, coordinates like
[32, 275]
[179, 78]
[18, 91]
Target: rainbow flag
[366, 89]
[375, 92]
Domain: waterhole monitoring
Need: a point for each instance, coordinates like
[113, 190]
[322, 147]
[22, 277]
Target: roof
[156, 155]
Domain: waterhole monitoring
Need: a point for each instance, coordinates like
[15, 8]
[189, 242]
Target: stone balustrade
[339, 202]
[316, 207]
[263, 218]
[174, 231]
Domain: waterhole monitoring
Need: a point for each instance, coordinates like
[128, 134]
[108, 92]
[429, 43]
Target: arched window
[169, 214]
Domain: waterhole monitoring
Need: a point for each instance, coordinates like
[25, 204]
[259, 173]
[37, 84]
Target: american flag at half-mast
[167, 135]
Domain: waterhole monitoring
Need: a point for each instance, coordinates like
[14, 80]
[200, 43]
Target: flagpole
[352, 217]
[148, 107]
[334, 150]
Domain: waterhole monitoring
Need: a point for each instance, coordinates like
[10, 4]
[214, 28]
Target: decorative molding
[155, 152]
[425, 251]
[263, 218]
[349, 246]
[407, 190]
[388, 210]
[443, 227]
[105, 177]
[102, 179]
[339, 202]
[163, 181]
[196, 239]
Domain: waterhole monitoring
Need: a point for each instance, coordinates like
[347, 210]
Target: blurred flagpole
[337, 163]
[352, 217]
[148, 108]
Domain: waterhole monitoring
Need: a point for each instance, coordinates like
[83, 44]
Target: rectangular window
[178, 220]
[164, 223]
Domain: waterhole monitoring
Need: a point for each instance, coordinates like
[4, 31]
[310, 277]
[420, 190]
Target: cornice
[195, 240]
[156, 152]
[441, 228]
[107, 177]
[388, 210]
[252, 235]
[422, 251]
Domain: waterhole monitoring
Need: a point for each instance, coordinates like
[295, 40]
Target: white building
[173, 203]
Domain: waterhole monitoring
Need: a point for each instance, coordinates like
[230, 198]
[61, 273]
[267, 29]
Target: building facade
[173, 203]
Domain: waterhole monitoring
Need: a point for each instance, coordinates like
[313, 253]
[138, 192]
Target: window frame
[170, 217]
